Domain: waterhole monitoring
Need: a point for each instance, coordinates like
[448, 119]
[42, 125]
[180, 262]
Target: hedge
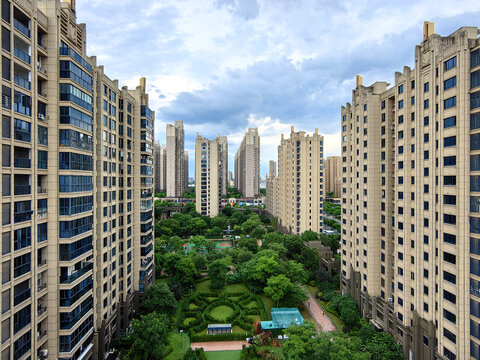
[220, 337]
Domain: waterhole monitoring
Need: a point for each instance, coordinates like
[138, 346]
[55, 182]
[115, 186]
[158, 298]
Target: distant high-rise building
[160, 160]
[230, 179]
[295, 196]
[247, 164]
[77, 190]
[207, 175]
[185, 162]
[223, 164]
[410, 199]
[175, 160]
[333, 175]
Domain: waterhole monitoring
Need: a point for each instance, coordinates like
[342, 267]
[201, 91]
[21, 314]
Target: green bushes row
[219, 337]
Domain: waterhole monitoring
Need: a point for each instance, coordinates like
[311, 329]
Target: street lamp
[181, 339]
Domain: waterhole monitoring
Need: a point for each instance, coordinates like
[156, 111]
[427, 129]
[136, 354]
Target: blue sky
[222, 66]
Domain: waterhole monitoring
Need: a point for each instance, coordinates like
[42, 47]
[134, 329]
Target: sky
[222, 66]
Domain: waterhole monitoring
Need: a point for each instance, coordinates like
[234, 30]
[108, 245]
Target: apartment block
[333, 175]
[160, 168]
[186, 169]
[175, 160]
[62, 189]
[223, 164]
[295, 195]
[410, 183]
[247, 165]
[209, 162]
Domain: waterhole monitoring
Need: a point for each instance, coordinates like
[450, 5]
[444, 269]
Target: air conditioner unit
[390, 300]
[43, 352]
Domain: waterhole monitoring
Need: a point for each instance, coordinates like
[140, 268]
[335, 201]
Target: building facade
[295, 195]
[223, 164]
[208, 170]
[247, 165]
[62, 197]
[333, 175]
[410, 183]
[160, 168]
[175, 176]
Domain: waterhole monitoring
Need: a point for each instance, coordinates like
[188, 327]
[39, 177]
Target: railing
[72, 277]
[21, 27]
[21, 55]
[41, 334]
[41, 310]
[19, 298]
[22, 163]
[42, 19]
[41, 237]
[73, 54]
[74, 254]
[43, 164]
[21, 189]
[20, 270]
[22, 135]
[42, 70]
[42, 286]
[22, 216]
[42, 46]
[41, 190]
[41, 263]
[20, 81]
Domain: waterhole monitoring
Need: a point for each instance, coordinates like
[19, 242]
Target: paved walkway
[321, 318]
[219, 345]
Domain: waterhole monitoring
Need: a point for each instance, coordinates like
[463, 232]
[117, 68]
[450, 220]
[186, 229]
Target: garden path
[321, 318]
[219, 345]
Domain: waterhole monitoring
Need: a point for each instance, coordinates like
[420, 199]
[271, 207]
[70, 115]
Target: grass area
[223, 355]
[313, 290]
[188, 320]
[236, 288]
[192, 306]
[174, 340]
[161, 280]
[268, 305]
[238, 330]
[222, 312]
[203, 286]
[306, 315]
[253, 318]
[251, 304]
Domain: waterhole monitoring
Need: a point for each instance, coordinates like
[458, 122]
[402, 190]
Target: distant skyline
[222, 66]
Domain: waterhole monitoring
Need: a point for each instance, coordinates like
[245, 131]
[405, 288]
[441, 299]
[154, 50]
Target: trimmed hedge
[220, 337]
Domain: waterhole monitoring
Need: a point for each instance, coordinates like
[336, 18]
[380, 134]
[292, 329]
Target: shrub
[220, 337]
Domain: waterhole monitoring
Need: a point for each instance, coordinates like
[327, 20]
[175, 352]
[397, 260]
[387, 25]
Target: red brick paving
[319, 315]
[219, 345]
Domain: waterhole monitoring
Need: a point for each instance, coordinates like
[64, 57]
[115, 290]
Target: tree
[294, 296]
[294, 271]
[244, 256]
[220, 221]
[309, 236]
[278, 248]
[250, 224]
[210, 247]
[197, 354]
[177, 243]
[185, 272]
[197, 226]
[264, 268]
[258, 232]
[199, 242]
[217, 271]
[159, 298]
[294, 245]
[297, 344]
[332, 240]
[200, 261]
[278, 287]
[248, 244]
[273, 237]
[310, 259]
[148, 337]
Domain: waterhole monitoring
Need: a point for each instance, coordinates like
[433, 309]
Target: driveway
[321, 318]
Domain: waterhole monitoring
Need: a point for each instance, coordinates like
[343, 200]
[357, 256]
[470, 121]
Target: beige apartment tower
[175, 177]
[247, 165]
[160, 168]
[333, 175]
[295, 196]
[410, 199]
[207, 175]
[68, 244]
[223, 164]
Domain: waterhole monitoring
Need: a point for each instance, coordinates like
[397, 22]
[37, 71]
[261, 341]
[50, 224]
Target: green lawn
[222, 312]
[268, 305]
[223, 355]
[161, 280]
[236, 288]
[174, 340]
[203, 286]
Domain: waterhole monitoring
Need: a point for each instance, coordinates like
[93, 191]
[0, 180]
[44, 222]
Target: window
[449, 238]
[449, 199]
[450, 141]
[426, 104]
[42, 135]
[71, 93]
[449, 316]
[450, 83]
[450, 102]
[22, 103]
[449, 160]
[426, 87]
[400, 89]
[475, 100]
[450, 258]
[450, 121]
[449, 64]
[22, 130]
[475, 58]
[449, 219]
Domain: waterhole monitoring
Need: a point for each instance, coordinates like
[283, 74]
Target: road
[321, 318]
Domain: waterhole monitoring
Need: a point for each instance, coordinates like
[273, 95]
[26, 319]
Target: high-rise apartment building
[160, 168]
[271, 182]
[410, 195]
[186, 169]
[66, 269]
[295, 196]
[223, 164]
[209, 167]
[175, 159]
[333, 175]
[247, 165]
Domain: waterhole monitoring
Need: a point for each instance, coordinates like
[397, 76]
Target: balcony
[21, 270]
[22, 189]
[41, 310]
[21, 55]
[41, 237]
[21, 297]
[41, 285]
[20, 81]
[22, 216]
[20, 26]
[68, 279]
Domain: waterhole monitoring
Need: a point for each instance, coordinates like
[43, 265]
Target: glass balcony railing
[41, 237]
[22, 55]
[22, 163]
[67, 279]
[22, 135]
[22, 269]
[22, 216]
[21, 27]
[20, 81]
[22, 189]
[21, 297]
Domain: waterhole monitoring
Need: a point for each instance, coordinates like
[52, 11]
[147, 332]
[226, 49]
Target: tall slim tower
[410, 199]
[175, 159]
[223, 164]
[185, 162]
[333, 175]
[207, 175]
[247, 164]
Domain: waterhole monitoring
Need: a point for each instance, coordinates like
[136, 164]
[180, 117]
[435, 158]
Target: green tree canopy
[148, 337]
[277, 287]
[309, 236]
[217, 271]
[159, 298]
